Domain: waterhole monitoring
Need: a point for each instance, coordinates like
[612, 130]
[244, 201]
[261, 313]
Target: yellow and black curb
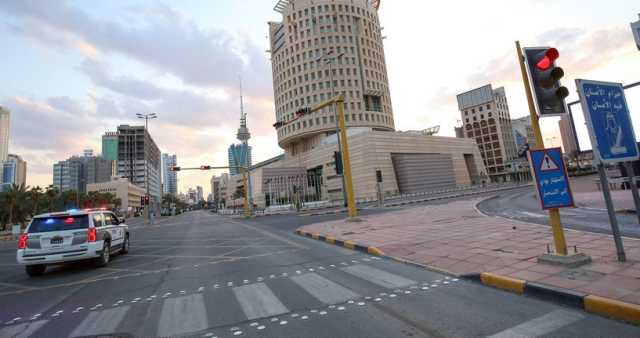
[372, 250]
[591, 303]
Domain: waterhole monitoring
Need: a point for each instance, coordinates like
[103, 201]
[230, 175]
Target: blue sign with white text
[551, 178]
[608, 120]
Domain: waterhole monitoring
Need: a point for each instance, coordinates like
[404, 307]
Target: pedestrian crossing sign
[552, 181]
[548, 164]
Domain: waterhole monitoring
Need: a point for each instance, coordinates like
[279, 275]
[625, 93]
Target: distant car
[62, 237]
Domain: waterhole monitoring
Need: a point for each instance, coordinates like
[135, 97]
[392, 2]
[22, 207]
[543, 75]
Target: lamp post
[146, 118]
[329, 59]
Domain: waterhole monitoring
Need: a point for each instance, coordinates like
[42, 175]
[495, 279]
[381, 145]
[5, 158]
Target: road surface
[203, 275]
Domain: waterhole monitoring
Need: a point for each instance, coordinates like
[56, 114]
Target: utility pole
[146, 118]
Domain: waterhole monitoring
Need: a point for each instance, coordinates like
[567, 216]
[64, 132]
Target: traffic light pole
[346, 162]
[554, 214]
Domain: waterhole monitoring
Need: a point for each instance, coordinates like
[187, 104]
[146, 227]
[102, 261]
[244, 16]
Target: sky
[75, 69]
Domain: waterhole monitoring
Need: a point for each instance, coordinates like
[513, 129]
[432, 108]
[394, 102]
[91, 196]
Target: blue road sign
[607, 114]
[551, 178]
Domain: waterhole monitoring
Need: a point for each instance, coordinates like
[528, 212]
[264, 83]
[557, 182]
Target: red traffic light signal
[174, 168]
[205, 167]
[549, 57]
[303, 111]
[146, 200]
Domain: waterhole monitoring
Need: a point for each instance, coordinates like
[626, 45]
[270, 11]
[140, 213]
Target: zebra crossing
[231, 309]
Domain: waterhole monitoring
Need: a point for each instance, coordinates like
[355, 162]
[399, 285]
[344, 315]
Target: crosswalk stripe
[100, 322]
[182, 315]
[541, 326]
[22, 330]
[258, 301]
[377, 276]
[323, 289]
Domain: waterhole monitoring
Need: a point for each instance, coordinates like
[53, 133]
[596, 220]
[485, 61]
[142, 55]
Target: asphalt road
[202, 275]
[522, 204]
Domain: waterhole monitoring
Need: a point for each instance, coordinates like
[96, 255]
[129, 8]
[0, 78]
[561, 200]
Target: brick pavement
[457, 238]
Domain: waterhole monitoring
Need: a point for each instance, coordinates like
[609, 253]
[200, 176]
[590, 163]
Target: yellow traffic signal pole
[554, 214]
[346, 162]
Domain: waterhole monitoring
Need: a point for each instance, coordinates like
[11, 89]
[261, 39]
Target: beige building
[409, 163]
[322, 47]
[128, 193]
[485, 118]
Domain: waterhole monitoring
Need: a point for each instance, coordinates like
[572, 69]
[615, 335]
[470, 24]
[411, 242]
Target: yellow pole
[554, 214]
[346, 162]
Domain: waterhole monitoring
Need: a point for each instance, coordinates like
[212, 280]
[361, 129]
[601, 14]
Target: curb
[372, 250]
[8, 238]
[590, 303]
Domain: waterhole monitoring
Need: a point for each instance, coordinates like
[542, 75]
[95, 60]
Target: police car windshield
[59, 223]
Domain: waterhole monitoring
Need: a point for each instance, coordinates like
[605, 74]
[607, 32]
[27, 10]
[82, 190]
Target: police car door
[111, 225]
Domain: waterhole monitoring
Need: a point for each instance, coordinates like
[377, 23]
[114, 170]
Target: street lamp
[328, 58]
[146, 118]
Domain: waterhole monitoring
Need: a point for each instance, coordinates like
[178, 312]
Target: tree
[15, 199]
[36, 197]
[51, 195]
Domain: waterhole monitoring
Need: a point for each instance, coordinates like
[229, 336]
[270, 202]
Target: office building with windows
[239, 156]
[169, 178]
[5, 116]
[486, 119]
[136, 151]
[13, 171]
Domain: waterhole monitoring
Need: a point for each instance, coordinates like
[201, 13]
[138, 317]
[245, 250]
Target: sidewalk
[458, 239]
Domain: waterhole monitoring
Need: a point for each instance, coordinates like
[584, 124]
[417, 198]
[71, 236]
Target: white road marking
[323, 289]
[22, 330]
[101, 322]
[542, 325]
[258, 301]
[182, 315]
[379, 277]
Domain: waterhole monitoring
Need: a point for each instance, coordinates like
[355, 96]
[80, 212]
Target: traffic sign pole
[554, 214]
[622, 257]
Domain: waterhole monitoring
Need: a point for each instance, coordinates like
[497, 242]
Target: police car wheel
[103, 260]
[125, 245]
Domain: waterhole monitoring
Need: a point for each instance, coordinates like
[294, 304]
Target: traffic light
[141, 200]
[205, 167]
[303, 111]
[548, 93]
[146, 200]
[174, 168]
[337, 157]
[278, 124]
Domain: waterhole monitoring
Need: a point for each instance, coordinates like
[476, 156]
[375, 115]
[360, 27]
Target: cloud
[581, 51]
[165, 41]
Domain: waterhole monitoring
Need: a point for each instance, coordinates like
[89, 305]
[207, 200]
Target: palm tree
[35, 196]
[51, 194]
[15, 198]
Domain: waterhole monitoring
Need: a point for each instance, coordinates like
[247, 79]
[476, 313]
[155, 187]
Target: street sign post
[611, 132]
[551, 178]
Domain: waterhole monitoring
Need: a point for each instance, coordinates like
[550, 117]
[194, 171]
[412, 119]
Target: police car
[61, 237]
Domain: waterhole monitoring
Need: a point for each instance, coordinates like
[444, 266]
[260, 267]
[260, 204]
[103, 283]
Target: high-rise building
[76, 172]
[199, 194]
[169, 178]
[4, 133]
[137, 151]
[485, 118]
[239, 156]
[569, 145]
[523, 132]
[319, 49]
[110, 146]
[14, 171]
